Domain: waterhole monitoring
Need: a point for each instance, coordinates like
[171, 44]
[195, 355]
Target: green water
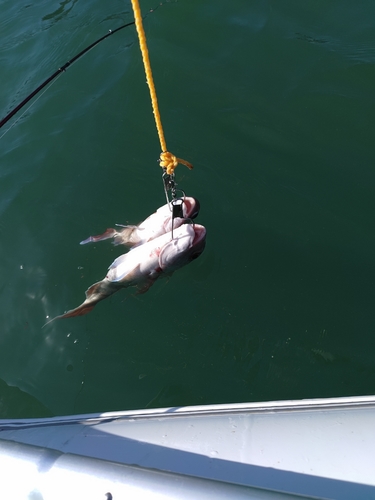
[274, 104]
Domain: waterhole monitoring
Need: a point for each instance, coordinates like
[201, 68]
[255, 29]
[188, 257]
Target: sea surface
[274, 104]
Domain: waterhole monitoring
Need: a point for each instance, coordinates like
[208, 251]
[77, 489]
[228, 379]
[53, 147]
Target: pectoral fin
[145, 286]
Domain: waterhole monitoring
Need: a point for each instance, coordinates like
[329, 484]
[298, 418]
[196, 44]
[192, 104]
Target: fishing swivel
[170, 185]
[175, 204]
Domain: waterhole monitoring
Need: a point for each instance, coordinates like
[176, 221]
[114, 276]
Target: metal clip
[175, 205]
[177, 208]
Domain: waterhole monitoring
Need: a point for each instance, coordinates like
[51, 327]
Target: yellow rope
[167, 159]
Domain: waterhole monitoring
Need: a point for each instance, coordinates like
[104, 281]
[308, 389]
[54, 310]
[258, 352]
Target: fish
[155, 225]
[143, 265]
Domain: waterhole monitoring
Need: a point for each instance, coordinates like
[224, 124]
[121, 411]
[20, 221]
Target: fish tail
[96, 293]
[109, 233]
[78, 311]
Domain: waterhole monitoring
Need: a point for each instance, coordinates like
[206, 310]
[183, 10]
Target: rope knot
[169, 161]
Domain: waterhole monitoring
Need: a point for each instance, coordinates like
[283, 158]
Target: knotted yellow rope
[167, 159]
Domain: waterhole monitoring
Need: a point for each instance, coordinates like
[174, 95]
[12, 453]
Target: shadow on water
[63, 10]
[15, 403]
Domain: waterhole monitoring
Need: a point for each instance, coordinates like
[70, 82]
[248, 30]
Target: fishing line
[58, 73]
[32, 104]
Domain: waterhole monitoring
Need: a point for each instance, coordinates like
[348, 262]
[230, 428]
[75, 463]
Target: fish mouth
[199, 241]
[192, 207]
[200, 233]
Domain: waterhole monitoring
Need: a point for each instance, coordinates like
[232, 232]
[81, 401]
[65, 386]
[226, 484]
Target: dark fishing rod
[58, 72]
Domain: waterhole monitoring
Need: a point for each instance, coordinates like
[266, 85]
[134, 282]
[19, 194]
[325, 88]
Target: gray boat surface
[319, 448]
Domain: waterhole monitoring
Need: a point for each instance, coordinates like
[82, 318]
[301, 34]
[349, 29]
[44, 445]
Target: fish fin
[50, 321]
[100, 290]
[145, 286]
[95, 293]
[128, 276]
[78, 311]
[126, 236]
[109, 233]
[126, 225]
